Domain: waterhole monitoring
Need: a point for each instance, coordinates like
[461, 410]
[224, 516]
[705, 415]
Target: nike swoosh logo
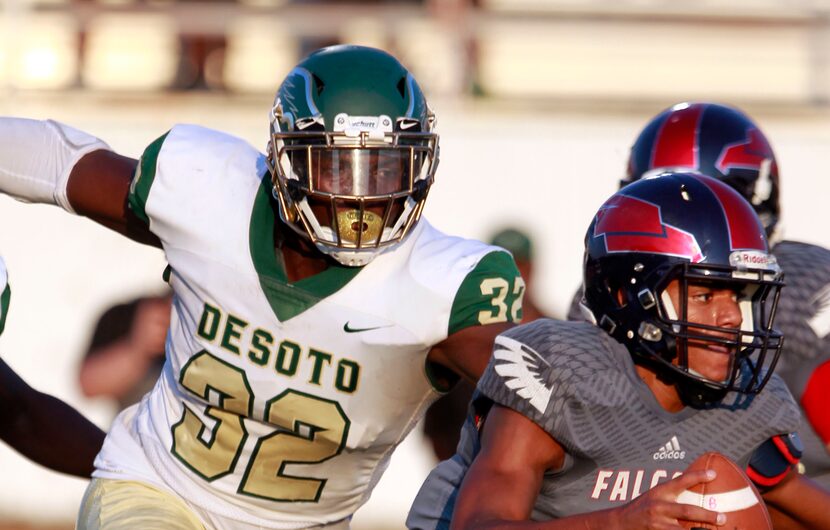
[349, 329]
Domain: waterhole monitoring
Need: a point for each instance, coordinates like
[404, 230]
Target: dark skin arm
[782, 521]
[466, 352]
[501, 486]
[45, 429]
[801, 502]
[98, 188]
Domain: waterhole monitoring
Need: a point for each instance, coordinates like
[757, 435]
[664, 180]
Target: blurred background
[538, 102]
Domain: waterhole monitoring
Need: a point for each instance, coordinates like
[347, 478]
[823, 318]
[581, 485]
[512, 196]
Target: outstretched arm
[98, 187]
[52, 163]
[501, 486]
[44, 428]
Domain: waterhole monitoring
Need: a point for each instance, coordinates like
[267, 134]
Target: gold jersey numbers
[309, 430]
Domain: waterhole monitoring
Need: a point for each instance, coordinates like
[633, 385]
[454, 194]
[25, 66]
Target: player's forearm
[783, 521]
[53, 434]
[803, 500]
[37, 157]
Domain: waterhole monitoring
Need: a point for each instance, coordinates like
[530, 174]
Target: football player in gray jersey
[723, 142]
[591, 424]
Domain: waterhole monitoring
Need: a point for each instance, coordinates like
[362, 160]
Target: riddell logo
[670, 451]
[750, 258]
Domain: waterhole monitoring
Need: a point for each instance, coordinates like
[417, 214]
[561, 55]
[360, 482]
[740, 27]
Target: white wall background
[543, 169]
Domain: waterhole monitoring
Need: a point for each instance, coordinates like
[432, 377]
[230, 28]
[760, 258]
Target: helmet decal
[629, 224]
[676, 142]
[295, 76]
[718, 141]
[748, 153]
[745, 232]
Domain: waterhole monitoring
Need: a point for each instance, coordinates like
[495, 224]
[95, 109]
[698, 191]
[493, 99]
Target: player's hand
[149, 327]
[658, 508]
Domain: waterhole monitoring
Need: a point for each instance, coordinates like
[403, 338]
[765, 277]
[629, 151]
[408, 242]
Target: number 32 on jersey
[310, 430]
[501, 294]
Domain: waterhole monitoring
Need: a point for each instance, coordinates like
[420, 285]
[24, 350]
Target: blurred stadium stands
[767, 51]
[538, 101]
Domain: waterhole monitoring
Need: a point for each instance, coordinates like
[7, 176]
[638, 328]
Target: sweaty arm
[501, 487]
[466, 352]
[51, 163]
[45, 429]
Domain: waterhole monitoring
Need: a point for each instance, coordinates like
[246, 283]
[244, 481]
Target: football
[732, 493]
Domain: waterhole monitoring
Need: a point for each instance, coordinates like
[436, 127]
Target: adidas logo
[670, 451]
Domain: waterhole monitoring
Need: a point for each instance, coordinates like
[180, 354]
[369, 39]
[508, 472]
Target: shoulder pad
[491, 292]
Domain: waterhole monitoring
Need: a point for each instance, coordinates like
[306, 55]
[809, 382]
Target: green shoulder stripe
[491, 293]
[145, 173]
[5, 298]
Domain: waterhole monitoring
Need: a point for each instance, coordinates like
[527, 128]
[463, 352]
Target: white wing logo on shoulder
[820, 321]
[524, 370]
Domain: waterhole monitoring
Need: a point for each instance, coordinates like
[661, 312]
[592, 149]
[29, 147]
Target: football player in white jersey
[315, 313]
[37, 425]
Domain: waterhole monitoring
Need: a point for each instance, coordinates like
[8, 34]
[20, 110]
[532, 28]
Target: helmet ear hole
[318, 83]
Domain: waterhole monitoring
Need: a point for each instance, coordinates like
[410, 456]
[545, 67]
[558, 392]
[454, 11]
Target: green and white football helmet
[352, 151]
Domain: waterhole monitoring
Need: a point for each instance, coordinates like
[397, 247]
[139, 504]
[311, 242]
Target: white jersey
[280, 403]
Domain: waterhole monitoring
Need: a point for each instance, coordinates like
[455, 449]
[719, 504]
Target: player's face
[356, 173]
[709, 306]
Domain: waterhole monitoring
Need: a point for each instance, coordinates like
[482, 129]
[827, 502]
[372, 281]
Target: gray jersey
[580, 385]
[804, 317]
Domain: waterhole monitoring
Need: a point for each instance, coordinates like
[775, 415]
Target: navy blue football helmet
[716, 140]
[695, 229]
